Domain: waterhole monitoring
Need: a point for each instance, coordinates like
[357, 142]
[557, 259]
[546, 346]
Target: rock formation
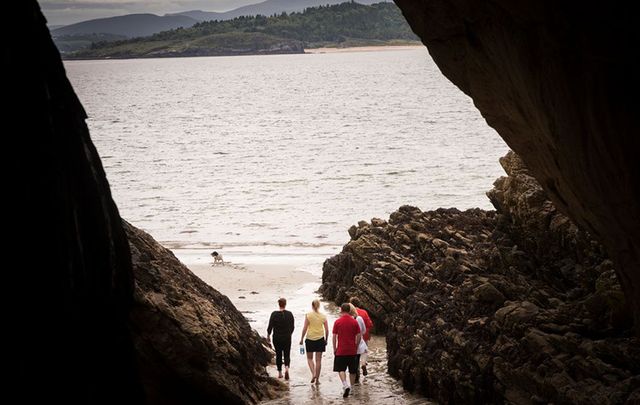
[79, 329]
[558, 83]
[515, 306]
[193, 346]
[67, 328]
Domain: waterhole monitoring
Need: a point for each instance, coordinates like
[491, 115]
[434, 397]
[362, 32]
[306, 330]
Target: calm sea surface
[282, 152]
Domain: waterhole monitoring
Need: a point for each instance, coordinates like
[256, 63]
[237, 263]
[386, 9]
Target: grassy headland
[339, 25]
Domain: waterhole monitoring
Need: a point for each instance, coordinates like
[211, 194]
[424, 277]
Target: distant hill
[74, 37]
[71, 43]
[266, 8]
[346, 24]
[131, 25]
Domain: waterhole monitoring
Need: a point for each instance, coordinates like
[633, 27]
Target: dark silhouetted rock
[488, 293]
[67, 334]
[558, 82]
[83, 332]
[515, 306]
[193, 345]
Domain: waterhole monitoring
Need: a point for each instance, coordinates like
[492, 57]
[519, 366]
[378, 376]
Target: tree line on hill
[315, 26]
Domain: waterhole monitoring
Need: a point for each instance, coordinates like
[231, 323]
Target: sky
[63, 12]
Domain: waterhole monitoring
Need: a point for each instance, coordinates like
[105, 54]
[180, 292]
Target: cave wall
[558, 83]
[192, 344]
[71, 290]
[94, 314]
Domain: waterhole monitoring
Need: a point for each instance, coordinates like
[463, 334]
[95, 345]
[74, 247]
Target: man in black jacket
[281, 323]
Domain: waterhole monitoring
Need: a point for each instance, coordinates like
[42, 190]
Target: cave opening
[270, 167]
[90, 246]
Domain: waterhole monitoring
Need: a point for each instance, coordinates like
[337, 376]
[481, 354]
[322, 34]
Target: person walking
[362, 347]
[316, 328]
[282, 325]
[346, 338]
[368, 323]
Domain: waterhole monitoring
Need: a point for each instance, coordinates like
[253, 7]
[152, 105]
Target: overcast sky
[63, 12]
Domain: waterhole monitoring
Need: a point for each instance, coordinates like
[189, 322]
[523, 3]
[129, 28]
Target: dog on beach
[217, 258]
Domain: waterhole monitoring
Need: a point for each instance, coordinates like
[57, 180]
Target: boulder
[488, 293]
[516, 305]
[192, 344]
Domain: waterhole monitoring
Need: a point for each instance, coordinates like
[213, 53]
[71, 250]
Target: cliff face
[192, 344]
[516, 305]
[557, 82]
[72, 288]
[79, 329]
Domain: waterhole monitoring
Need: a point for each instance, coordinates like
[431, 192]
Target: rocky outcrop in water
[557, 81]
[193, 345]
[515, 306]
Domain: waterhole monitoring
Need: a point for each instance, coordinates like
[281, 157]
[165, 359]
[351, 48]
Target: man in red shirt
[368, 323]
[346, 338]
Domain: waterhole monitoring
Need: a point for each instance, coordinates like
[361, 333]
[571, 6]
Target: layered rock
[192, 344]
[557, 82]
[515, 306]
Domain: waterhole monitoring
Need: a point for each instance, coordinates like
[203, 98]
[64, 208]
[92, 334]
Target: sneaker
[364, 371]
[286, 375]
[346, 392]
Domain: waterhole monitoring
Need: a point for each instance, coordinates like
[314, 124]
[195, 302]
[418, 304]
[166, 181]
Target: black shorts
[341, 363]
[315, 346]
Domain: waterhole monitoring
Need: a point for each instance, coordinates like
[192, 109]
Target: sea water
[282, 153]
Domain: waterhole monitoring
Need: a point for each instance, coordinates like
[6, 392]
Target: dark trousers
[282, 345]
[358, 367]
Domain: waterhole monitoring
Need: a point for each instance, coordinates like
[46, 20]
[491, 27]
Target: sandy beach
[375, 48]
[255, 288]
[255, 282]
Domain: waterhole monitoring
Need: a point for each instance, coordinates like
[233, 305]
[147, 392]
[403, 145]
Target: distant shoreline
[307, 51]
[371, 48]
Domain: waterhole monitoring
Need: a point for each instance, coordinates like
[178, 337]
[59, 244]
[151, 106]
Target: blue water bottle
[301, 349]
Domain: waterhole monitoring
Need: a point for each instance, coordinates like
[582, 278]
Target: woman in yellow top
[316, 328]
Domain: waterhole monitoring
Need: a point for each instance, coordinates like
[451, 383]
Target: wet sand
[255, 287]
